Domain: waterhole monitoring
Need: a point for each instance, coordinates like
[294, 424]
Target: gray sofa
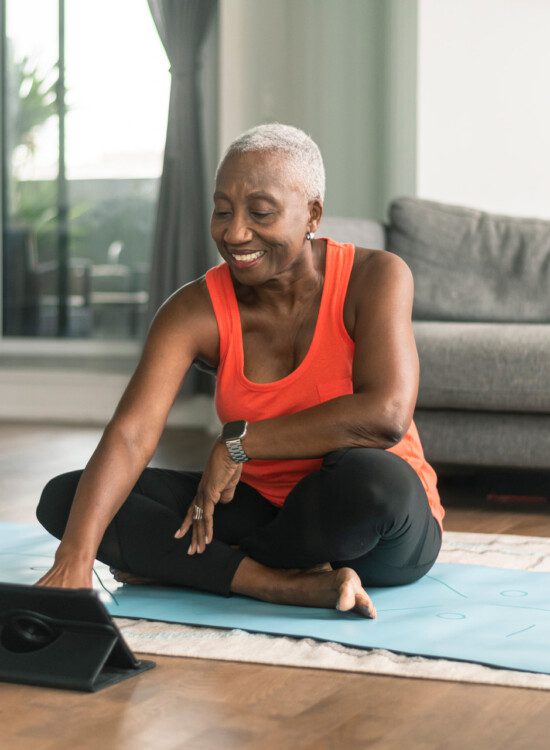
[481, 319]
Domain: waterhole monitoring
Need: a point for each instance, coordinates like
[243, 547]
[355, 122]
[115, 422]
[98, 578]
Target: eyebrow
[264, 195]
[255, 194]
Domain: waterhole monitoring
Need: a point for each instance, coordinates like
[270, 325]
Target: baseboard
[58, 396]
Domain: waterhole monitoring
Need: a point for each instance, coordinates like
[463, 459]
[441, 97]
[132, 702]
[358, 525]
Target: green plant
[37, 101]
[34, 204]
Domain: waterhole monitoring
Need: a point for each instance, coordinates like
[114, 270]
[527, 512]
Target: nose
[236, 230]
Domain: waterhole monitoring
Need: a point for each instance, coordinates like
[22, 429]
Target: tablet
[59, 637]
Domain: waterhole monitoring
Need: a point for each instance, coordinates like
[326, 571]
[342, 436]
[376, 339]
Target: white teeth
[250, 256]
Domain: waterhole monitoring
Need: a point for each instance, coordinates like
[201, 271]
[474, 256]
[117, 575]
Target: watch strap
[232, 435]
[236, 450]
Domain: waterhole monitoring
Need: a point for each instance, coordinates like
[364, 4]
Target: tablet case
[62, 638]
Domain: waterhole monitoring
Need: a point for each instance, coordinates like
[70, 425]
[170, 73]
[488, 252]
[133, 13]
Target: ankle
[259, 581]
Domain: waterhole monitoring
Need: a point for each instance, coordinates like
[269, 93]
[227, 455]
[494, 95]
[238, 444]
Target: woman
[317, 378]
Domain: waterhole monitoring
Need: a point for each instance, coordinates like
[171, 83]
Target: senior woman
[317, 485]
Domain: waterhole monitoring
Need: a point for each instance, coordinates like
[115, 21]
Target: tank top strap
[222, 295]
[338, 272]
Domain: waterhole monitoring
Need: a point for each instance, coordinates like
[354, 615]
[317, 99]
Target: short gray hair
[304, 158]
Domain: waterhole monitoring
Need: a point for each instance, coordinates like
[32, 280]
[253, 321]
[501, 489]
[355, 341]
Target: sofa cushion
[472, 265]
[476, 438]
[362, 232]
[484, 366]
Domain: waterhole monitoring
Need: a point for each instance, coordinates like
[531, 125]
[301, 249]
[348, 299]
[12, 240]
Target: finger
[228, 492]
[226, 496]
[188, 520]
[44, 579]
[231, 486]
[193, 546]
[205, 529]
[200, 536]
[209, 529]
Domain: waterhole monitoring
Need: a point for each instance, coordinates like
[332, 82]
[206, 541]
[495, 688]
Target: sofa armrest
[484, 366]
[362, 232]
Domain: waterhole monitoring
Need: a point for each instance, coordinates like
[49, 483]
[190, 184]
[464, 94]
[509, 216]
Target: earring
[310, 235]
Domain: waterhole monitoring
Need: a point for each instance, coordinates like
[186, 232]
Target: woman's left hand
[219, 479]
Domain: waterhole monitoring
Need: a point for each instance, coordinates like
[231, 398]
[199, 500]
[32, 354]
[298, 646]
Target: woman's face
[257, 210]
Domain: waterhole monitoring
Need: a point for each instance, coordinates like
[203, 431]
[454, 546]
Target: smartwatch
[232, 434]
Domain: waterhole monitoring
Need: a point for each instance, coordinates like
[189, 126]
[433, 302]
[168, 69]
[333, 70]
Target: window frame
[41, 349]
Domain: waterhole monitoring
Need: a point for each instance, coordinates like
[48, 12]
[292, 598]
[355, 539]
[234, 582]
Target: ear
[315, 212]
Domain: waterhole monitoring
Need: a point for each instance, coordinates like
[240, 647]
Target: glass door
[84, 106]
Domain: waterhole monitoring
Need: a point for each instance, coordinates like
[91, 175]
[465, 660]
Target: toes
[365, 603]
[352, 596]
[346, 596]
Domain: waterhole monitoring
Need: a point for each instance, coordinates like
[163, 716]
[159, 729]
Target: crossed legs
[364, 509]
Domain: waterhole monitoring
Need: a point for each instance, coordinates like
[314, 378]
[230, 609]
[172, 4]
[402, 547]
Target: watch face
[234, 430]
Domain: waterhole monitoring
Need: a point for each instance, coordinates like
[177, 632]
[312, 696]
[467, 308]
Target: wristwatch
[232, 434]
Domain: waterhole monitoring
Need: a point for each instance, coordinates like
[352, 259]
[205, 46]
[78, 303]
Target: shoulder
[373, 270]
[189, 310]
[376, 260]
[189, 300]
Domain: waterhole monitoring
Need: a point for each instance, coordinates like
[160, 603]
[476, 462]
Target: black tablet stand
[80, 650]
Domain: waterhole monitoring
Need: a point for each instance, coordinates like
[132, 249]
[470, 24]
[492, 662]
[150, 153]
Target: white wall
[339, 69]
[483, 134]
[400, 61]
[444, 99]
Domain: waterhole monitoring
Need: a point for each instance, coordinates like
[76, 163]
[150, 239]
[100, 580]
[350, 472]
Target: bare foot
[351, 594]
[340, 588]
[315, 569]
[321, 566]
[122, 577]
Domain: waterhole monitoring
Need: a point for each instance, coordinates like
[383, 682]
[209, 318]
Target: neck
[292, 287]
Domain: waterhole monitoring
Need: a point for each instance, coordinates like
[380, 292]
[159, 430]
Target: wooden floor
[196, 703]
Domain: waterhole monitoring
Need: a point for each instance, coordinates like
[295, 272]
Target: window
[82, 156]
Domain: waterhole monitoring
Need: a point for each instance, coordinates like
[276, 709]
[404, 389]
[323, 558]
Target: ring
[197, 513]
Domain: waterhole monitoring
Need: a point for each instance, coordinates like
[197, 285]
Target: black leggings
[364, 508]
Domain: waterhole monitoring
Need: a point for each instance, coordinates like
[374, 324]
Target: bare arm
[107, 480]
[385, 379]
[131, 437]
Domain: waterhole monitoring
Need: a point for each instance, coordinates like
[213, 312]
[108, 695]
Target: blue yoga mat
[494, 616]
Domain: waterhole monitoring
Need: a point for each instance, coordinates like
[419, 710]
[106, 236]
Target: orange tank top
[325, 373]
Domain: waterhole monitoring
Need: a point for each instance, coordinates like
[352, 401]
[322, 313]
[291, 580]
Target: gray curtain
[180, 249]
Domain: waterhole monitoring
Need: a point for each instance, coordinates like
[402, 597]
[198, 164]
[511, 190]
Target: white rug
[493, 550]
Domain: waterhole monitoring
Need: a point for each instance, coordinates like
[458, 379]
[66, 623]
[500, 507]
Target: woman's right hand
[67, 573]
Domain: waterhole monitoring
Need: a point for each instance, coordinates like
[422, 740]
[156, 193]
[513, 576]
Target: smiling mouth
[247, 257]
